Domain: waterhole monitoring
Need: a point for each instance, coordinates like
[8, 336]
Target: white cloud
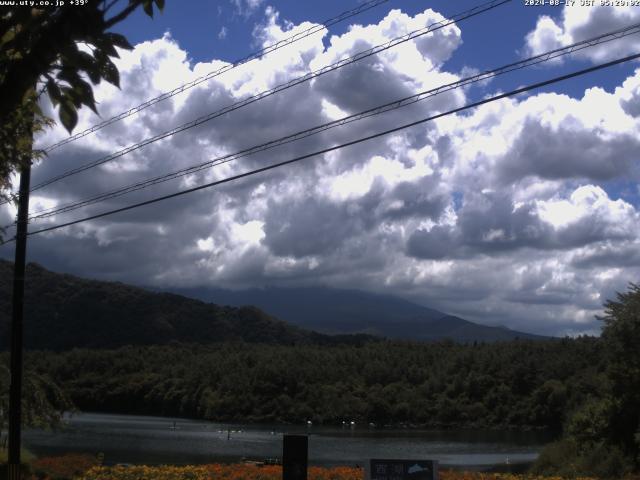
[588, 202]
[547, 136]
[546, 36]
[504, 214]
[205, 244]
[246, 7]
[629, 95]
[577, 23]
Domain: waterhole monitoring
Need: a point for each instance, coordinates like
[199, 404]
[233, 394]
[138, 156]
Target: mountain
[63, 311]
[341, 311]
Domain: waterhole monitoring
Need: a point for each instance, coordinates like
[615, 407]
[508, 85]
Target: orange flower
[63, 467]
[268, 472]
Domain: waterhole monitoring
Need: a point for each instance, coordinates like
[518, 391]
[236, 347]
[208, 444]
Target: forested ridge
[64, 311]
[519, 383]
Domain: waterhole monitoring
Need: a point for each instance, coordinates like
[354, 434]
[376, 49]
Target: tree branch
[109, 5]
[122, 15]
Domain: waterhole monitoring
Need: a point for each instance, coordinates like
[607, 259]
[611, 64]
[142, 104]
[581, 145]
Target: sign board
[386, 469]
[294, 457]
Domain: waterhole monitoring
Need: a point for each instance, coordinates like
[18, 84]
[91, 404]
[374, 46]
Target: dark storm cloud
[437, 243]
[312, 225]
[608, 255]
[308, 227]
[416, 200]
[460, 214]
[486, 224]
[344, 87]
[561, 153]
[492, 223]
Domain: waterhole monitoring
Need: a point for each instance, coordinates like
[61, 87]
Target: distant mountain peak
[349, 311]
[63, 311]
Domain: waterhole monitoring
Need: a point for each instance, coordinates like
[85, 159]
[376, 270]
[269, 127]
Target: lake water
[155, 440]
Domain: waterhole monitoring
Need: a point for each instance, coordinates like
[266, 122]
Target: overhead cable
[409, 100]
[267, 93]
[343, 145]
[204, 78]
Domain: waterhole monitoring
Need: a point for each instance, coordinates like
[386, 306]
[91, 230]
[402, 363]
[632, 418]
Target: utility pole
[15, 390]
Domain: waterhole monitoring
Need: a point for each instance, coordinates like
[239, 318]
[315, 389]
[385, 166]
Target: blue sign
[402, 469]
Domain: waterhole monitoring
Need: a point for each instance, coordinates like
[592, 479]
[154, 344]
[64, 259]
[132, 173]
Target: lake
[157, 440]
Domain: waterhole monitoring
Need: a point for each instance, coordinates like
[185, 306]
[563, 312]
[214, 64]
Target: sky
[522, 212]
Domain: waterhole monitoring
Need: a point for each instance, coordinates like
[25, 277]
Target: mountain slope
[331, 310]
[63, 311]
[335, 311]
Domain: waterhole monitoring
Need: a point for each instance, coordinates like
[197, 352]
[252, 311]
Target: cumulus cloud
[503, 215]
[415, 65]
[577, 23]
[246, 7]
[491, 223]
[547, 137]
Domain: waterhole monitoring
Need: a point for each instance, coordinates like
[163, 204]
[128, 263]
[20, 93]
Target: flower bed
[83, 467]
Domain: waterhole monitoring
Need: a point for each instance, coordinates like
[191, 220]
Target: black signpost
[387, 469]
[294, 457]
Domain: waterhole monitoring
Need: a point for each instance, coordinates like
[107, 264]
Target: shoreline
[359, 426]
[157, 440]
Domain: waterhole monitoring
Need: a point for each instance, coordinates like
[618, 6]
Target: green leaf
[37, 110]
[94, 75]
[68, 115]
[106, 46]
[110, 73]
[84, 60]
[160, 4]
[118, 40]
[69, 96]
[69, 75]
[84, 93]
[147, 5]
[74, 61]
[54, 92]
[7, 37]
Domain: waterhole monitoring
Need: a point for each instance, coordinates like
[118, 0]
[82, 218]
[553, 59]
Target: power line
[345, 120]
[305, 78]
[260, 53]
[535, 60]
[347, 144]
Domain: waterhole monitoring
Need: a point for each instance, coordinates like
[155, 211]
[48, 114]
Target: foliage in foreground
[602, 436]
[83, 467]
[251, 472]
[42, 400]
[566, 459]
[26, 456]
[40, 53]
[69, 466]
[217, 472]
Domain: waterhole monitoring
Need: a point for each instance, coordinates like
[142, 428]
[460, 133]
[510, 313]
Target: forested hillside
[63, 312]
[520, 383]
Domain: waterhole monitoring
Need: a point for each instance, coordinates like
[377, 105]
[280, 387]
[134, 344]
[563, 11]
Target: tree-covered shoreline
[512, 384]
